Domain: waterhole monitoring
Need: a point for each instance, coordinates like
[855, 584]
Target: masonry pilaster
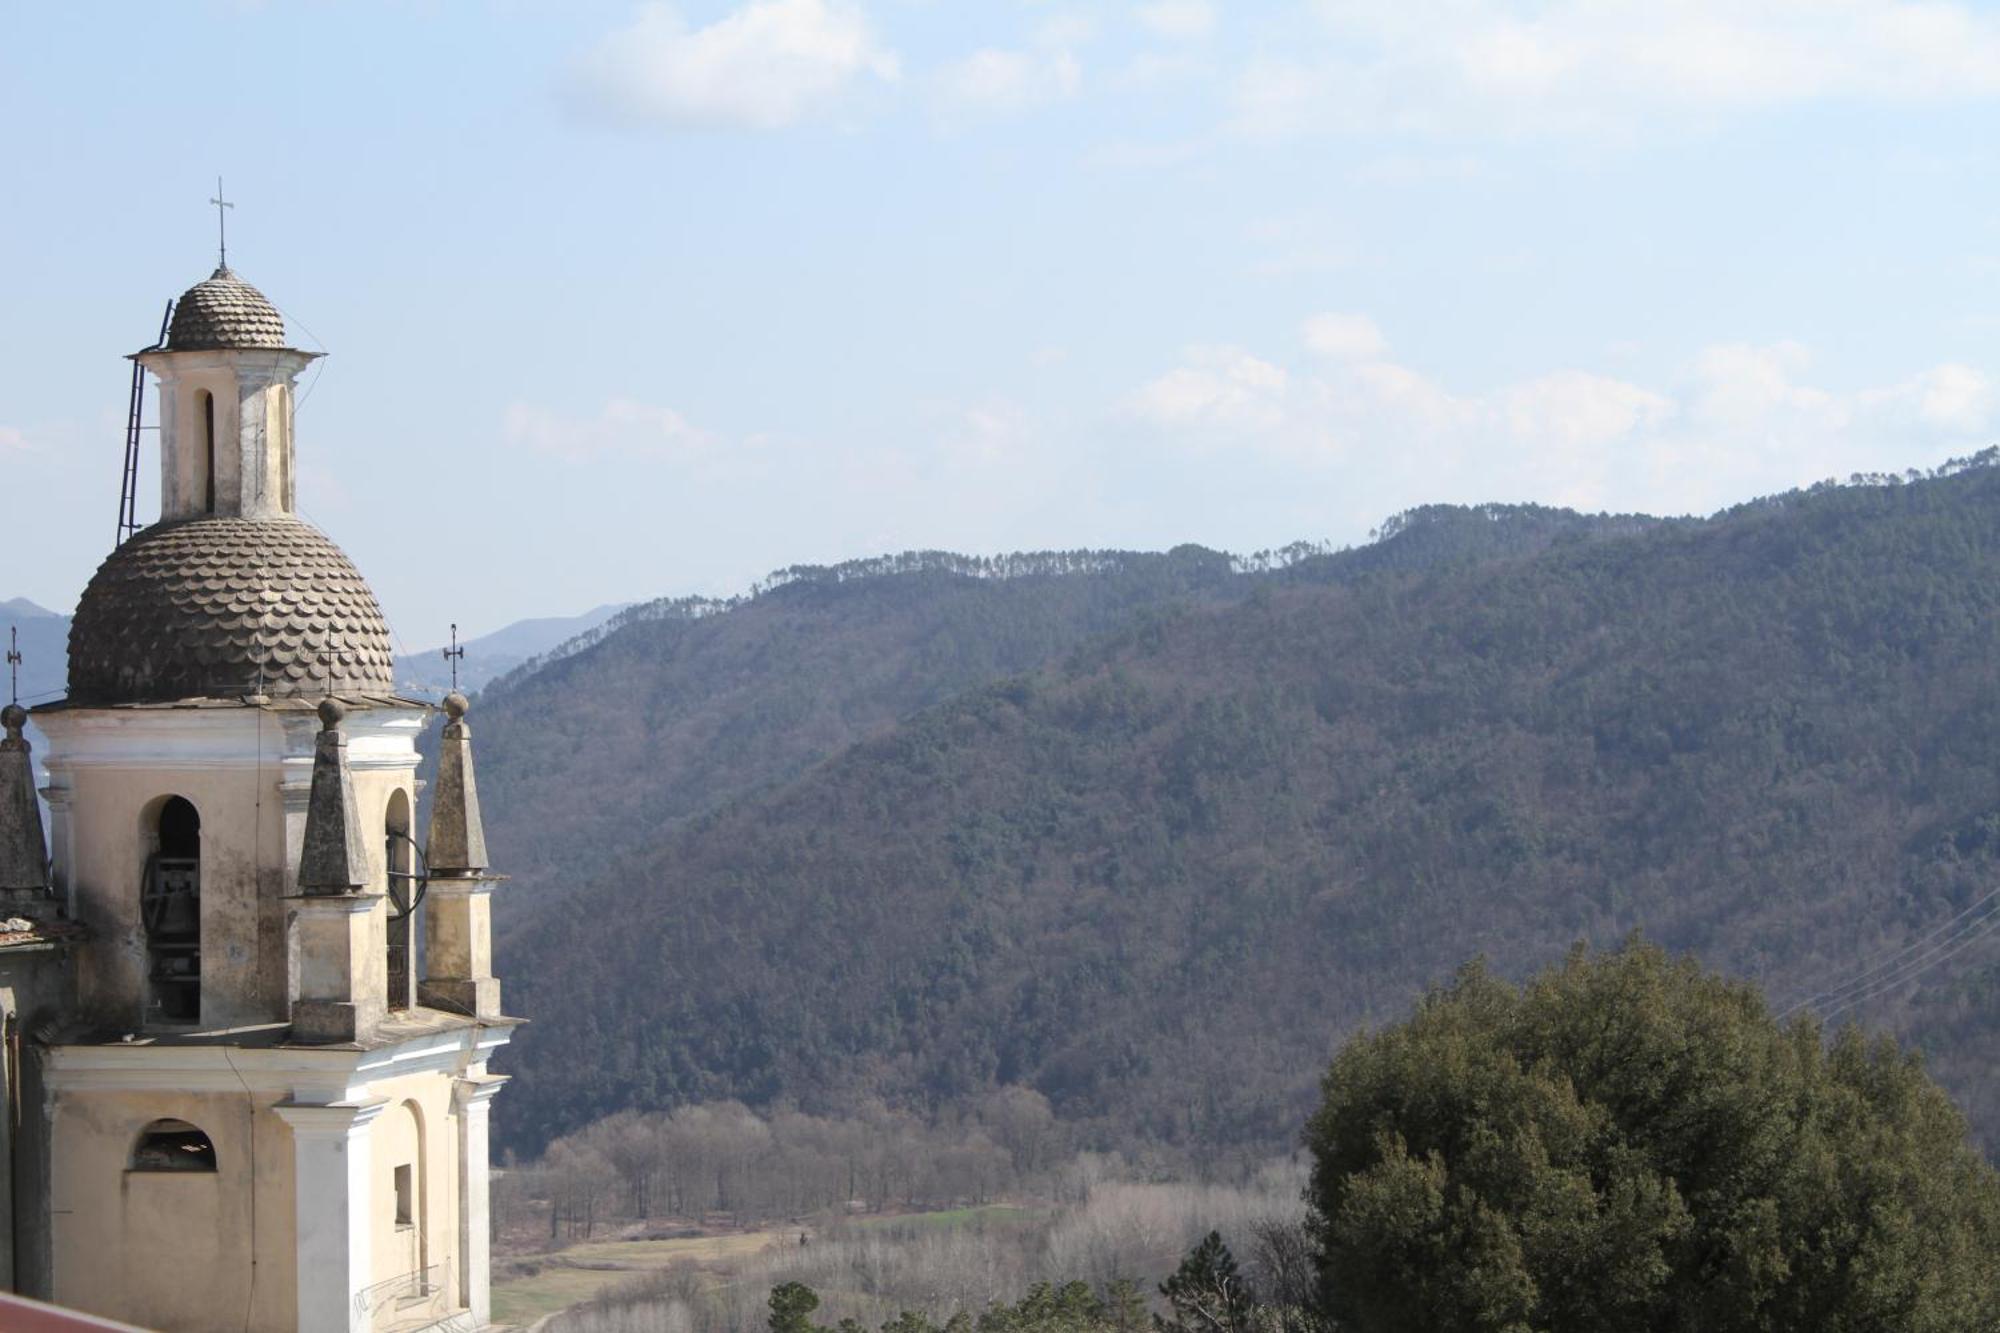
[335, 1238]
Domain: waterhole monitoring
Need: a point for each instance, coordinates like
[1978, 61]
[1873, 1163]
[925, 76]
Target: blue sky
[631, 301]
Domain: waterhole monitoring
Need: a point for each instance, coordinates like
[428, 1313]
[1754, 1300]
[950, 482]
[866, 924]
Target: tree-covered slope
[1160, 877]
[684, 705]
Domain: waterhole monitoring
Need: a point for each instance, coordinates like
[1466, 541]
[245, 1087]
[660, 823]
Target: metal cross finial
[14, 662]
[221, 232]
[452, 655]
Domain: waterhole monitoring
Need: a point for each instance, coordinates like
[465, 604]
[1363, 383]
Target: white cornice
[193, 739]
[308, 1075]
[276, 364]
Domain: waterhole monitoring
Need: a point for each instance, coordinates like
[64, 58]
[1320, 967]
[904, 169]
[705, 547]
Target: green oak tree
[1627, 1142]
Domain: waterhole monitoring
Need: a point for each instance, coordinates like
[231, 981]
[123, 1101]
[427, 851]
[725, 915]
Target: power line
[1890, 968]
[1916, 967]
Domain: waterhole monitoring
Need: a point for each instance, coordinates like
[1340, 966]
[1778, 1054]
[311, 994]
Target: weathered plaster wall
[194, 1251]
[246, 771]
[173, 1250]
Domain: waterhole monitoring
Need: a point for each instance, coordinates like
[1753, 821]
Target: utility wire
[1943, 936]
[1957, 944]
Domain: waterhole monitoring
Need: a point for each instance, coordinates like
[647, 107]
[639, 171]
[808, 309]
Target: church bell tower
[265, 1102]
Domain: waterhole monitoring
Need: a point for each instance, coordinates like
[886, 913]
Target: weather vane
[221, 231]
[14, 662]
[452, 655]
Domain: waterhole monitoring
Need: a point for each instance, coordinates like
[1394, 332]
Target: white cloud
[1220, 386]
[766, 65]
[13, 440]
[1573, 409]
[1742, 420]
[1065, 32]
[1741, 387]
[1953, 397]
[1341, 337]
[1178, 20]
[994, 80]
[623, 428]
[995, 432]
[1569, 67]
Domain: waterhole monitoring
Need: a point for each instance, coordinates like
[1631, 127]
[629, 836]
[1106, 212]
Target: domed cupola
[230, 594]
[226, 607]
[222, 310]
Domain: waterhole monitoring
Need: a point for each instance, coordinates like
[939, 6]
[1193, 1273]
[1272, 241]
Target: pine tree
[1207, 1293]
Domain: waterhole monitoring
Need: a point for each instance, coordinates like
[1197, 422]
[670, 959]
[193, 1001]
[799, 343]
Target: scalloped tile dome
[221, 607]
[222, 310]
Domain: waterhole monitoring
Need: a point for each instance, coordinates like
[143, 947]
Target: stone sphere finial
[455, 705]
[331, 710]
[13, 717]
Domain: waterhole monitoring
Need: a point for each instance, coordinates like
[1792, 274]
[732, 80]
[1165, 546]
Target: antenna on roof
[221, 232]
[453, 655]
[14, 661]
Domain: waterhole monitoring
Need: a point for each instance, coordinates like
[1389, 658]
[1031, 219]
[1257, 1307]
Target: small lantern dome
[222, 310]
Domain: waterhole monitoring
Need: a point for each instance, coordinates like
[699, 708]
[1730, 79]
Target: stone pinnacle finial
[458, 838]
[335, 859]
[24, 855]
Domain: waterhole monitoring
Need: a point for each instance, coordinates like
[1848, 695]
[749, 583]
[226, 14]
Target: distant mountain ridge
[427, 674]
[44, 640]
[44, 636]
[1159, 876]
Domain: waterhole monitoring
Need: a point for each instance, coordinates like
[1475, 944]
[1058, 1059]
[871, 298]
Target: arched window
[172, 1145]
[402, 1209]
[170, 911]
[208, 450]
[402, 899]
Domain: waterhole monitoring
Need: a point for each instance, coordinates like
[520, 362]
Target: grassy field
[582, 1271]
[579, 1272]
[992, 1214]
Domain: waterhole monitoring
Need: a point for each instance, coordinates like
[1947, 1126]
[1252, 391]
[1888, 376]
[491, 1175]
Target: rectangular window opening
[404, 1217]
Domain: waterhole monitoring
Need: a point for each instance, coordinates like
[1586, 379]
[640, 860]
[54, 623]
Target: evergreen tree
[1207, 1292]
[1630, 1143]
[792, 1304]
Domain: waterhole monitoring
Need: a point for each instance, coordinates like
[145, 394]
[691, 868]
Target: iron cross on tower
[452, 655]
[14, 662]
[221, 231]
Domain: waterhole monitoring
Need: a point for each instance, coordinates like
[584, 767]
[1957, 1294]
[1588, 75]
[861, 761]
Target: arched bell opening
[170, 913]
[404, 890]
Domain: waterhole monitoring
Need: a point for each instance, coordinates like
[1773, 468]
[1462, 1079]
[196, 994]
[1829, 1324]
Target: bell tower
[248, 1122]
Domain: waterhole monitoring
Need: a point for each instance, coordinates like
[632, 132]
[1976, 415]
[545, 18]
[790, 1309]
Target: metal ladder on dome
[135, 426]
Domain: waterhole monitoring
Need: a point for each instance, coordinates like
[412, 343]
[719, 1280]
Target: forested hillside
[686, 704]
[1158, 877]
